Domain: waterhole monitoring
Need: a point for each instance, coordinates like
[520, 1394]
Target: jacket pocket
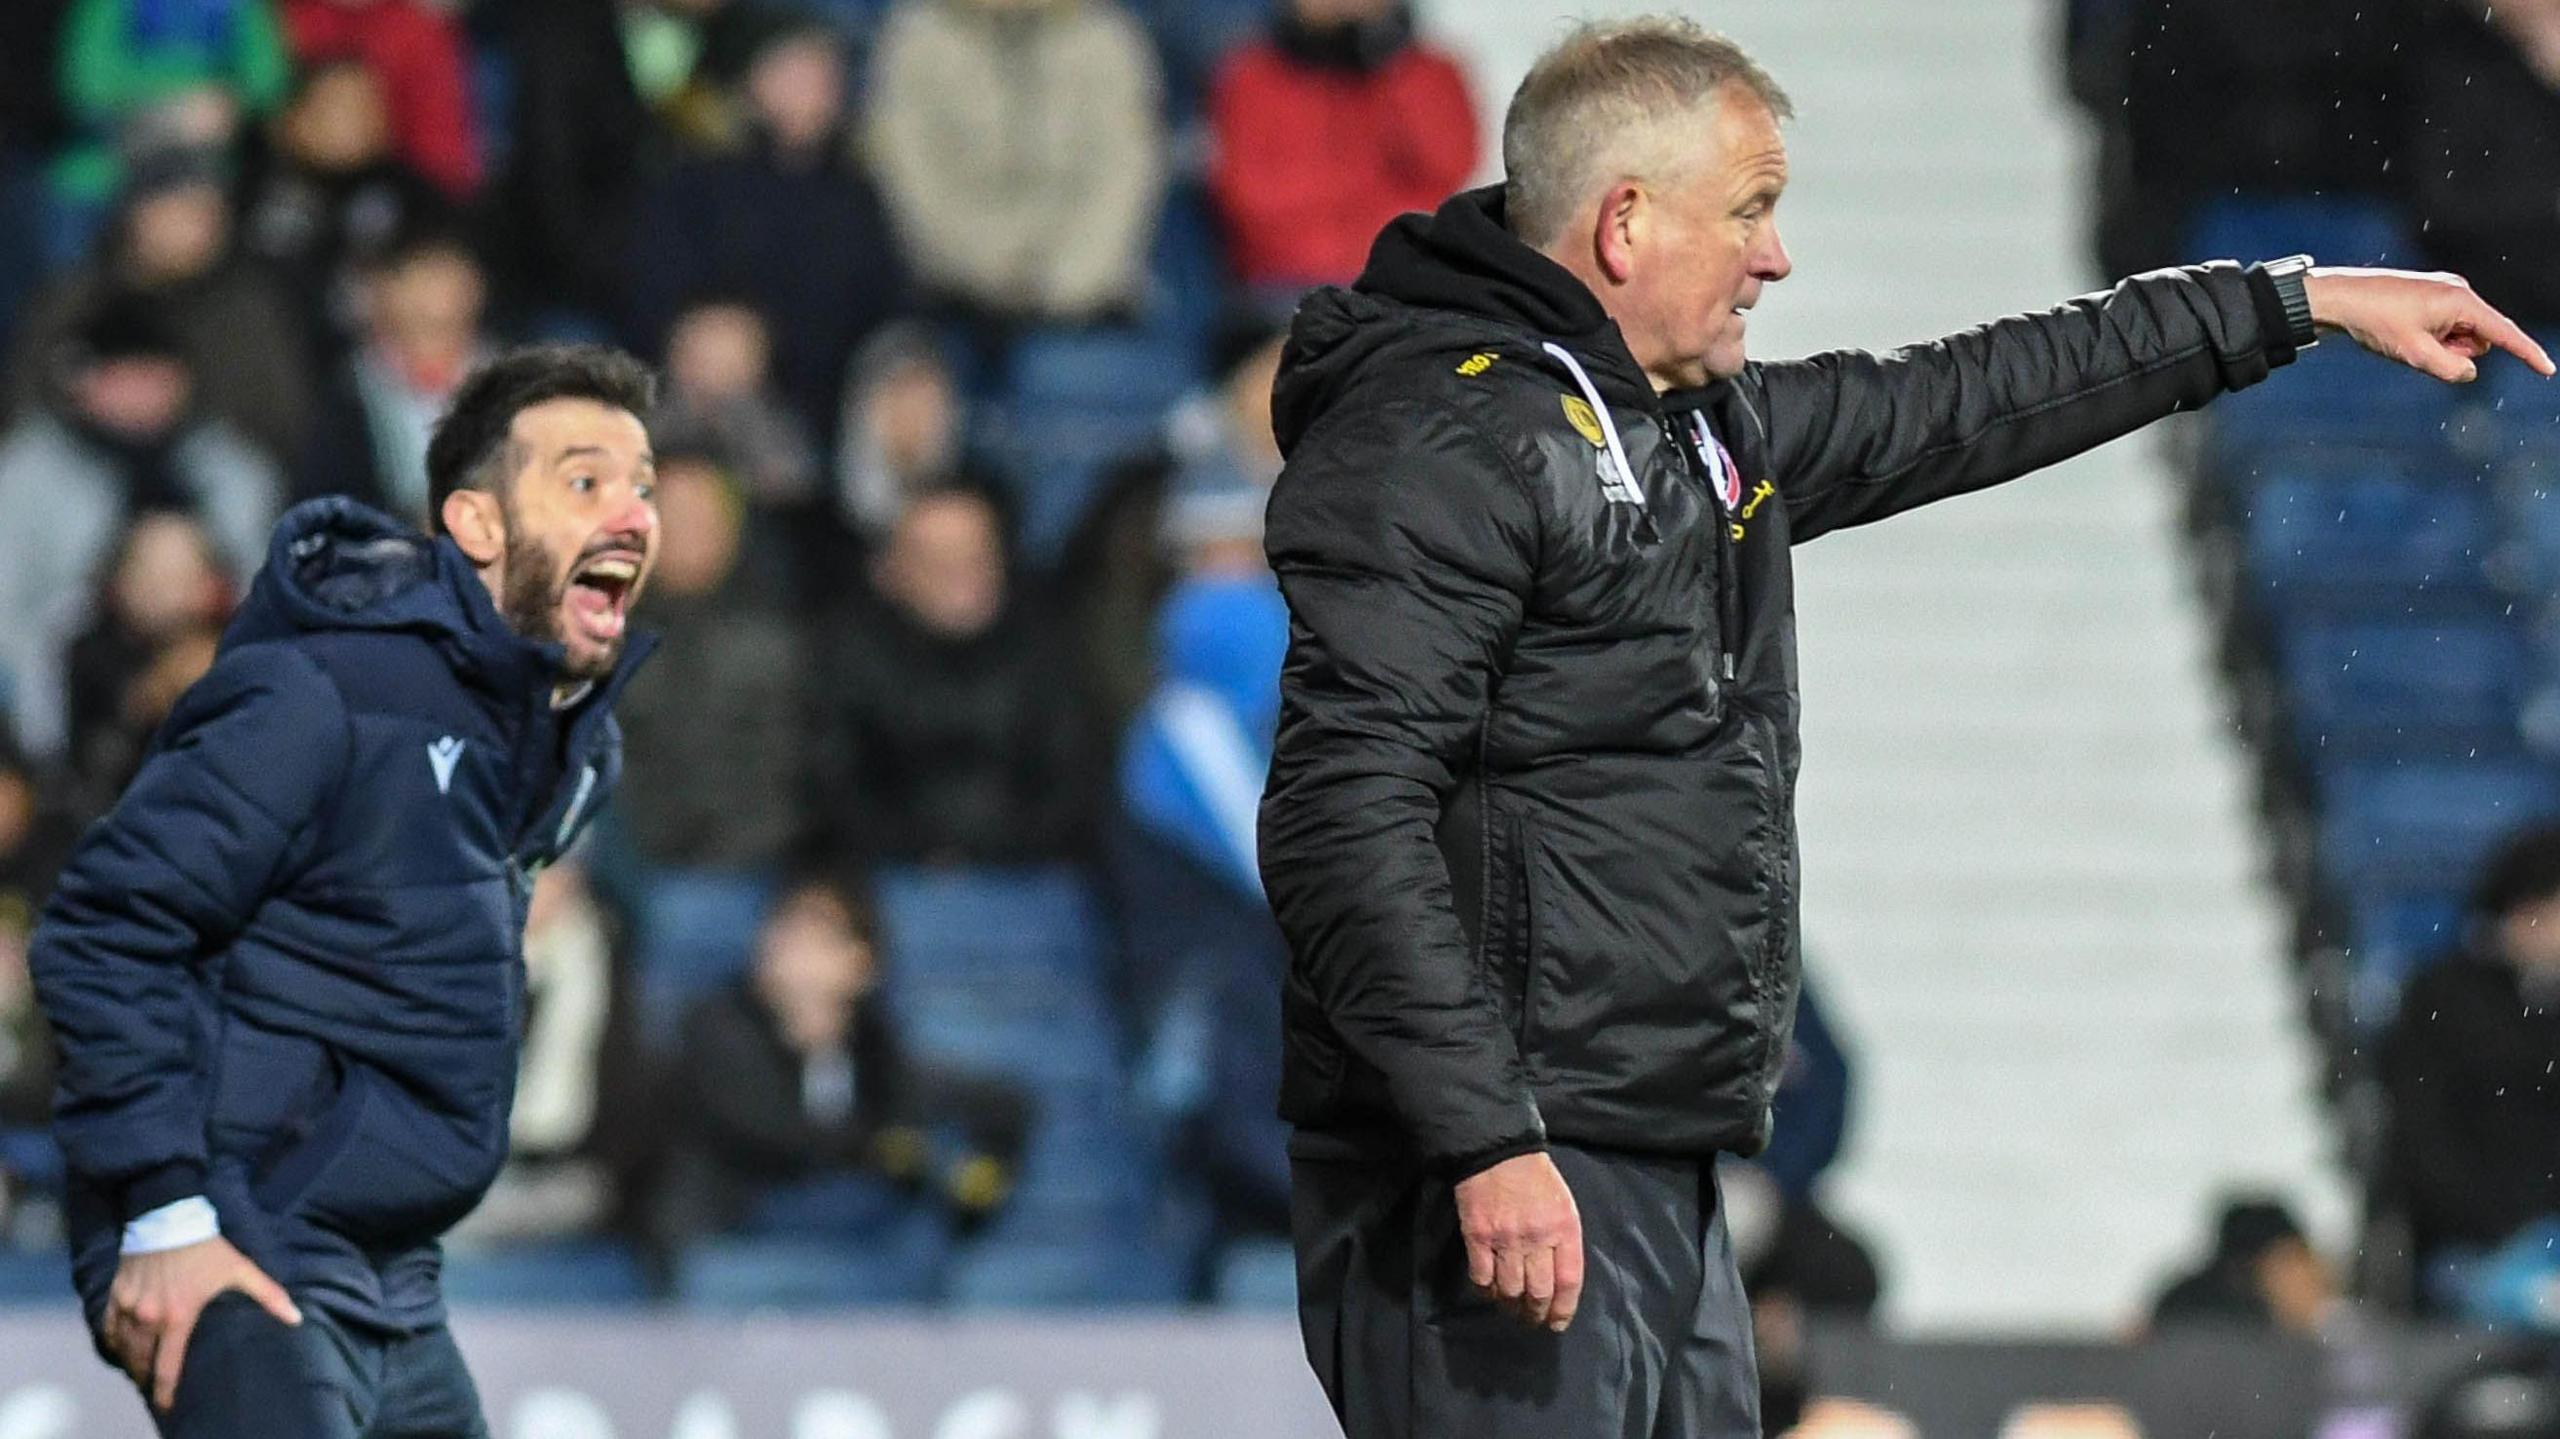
[1531, 901]
[268, 1089]
[376, 1169]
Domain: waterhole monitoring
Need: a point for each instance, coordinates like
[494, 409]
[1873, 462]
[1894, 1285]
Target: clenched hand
[1524, 1239]
[2432, 323]
[156, 1298]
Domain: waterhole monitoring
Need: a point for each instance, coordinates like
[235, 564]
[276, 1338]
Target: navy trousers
[250, 1376]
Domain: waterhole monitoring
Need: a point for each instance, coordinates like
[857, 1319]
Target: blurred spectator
[2475, 1105]
[796, 1105]
[122, 437]
[688, 58]
[34, 839]
[1207, 958]
[189, 71]
[30, 128]
[719, 393]
[170, 248]
[952, 733]
[787, 222]
[2485, 105]
[417, 51]
[905, 430]
[1334, 124]
[2262, 1273]
[162, 601]
[582, 145]
[713, 731]
[1194, 501]
[1038, 209]
[422, 309]
[577, 1092]
[325, 196]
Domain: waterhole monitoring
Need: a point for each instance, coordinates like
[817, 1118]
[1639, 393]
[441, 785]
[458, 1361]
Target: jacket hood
[338, 565]
[1454, 279]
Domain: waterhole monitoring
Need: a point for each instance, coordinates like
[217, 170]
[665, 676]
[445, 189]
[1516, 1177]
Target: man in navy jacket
[286, 972]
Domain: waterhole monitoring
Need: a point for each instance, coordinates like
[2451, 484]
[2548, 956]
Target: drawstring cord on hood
[1624, 486]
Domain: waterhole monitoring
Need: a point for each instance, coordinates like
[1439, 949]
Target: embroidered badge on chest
[1616, 485]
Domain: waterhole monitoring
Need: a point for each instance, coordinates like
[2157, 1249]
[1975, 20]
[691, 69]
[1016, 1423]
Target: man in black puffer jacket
[1530, 822]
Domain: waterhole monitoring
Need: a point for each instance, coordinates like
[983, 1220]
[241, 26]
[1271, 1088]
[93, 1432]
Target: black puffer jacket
[1530, 824]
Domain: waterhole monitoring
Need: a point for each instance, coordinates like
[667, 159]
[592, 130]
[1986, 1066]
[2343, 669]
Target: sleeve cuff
[156, 1187]
[174, 1225]
[1470, 1165]
[2283, 303]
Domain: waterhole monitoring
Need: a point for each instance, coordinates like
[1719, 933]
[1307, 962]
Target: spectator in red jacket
[1332, 125]
[418, 52]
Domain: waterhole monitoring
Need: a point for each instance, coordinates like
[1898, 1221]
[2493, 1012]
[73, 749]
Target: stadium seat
[2360, 533]
[2332, 395]
[568, 1272]
[1092, 1270]
[2425, 824]
[947, 926]
[766, 1273]
[2392, 935]
[2408, 687]
[2341, 231]
[2519, 410]
[38, 1277]
[1075, 401]
[1257, 1274]
[2528, 484]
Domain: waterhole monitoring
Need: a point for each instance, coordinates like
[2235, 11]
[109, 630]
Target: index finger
[2507, 335]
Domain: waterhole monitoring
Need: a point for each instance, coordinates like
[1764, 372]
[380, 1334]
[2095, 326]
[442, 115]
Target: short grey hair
[1611, 101]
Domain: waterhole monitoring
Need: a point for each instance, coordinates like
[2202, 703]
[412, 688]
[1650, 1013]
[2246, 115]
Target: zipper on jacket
[1690, 454]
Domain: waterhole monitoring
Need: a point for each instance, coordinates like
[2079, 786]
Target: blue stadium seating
[1082, 1271]
[35, 1277]
[568, 1272]
[2445, 687]
[2341, 231]
[2392, 934]
[1074, 401]
[991, 926]
[2425, 824]
[2354, 532]
[805, 1273]
[1257, 1274]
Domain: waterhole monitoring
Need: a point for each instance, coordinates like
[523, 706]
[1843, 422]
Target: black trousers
[250, 1376]
[1406, 1348]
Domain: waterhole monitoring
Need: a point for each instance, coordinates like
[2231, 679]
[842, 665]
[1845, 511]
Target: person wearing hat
[122, 432]
[171, 244]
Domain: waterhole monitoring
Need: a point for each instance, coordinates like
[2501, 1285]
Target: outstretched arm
[1855, 437]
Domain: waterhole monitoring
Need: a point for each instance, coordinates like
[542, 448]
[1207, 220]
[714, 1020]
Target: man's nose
[1772, 263]
[635, 516]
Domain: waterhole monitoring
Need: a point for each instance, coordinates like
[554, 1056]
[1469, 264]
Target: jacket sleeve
[1406, 547]
[1854, 437]
[249, 759]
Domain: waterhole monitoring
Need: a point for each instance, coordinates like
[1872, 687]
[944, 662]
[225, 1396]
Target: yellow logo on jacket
[1577, 412]
[1477, 364]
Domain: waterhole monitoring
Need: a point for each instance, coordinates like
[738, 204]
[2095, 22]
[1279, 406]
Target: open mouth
[600, 590]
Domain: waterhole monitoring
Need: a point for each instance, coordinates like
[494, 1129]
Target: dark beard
[531, 606]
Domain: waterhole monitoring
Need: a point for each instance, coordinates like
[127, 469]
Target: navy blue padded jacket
[286, 972]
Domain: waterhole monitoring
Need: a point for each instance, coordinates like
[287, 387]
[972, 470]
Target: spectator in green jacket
[188, 69]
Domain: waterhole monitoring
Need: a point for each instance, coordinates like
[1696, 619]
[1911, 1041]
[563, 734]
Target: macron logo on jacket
[444, 754]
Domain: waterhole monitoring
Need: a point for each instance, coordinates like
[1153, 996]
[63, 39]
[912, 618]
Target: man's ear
[1618, 229]
[478, 525]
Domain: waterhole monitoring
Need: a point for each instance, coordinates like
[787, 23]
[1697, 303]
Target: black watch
[2291, 275]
